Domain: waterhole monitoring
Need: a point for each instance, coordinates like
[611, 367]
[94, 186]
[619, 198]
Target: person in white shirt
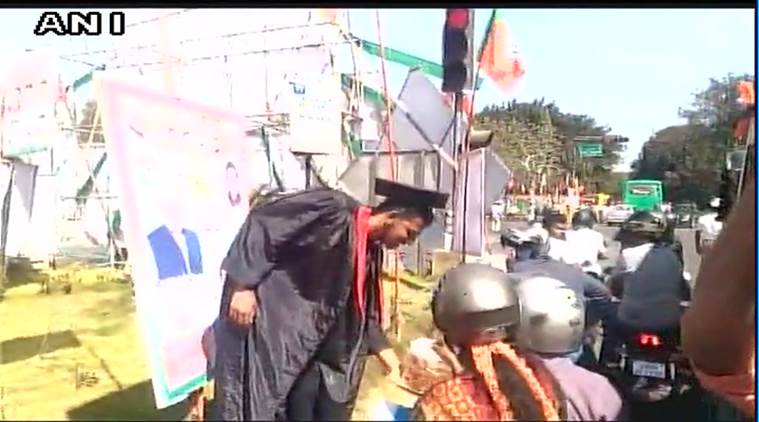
[497, 210]
[708, 228]
[555, 226]
[648, 275]
[586, 244]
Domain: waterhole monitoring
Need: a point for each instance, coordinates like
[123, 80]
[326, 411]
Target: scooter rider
[477, 309]
[648, 277]
[532, 257]
[586, 244]
[552, 317]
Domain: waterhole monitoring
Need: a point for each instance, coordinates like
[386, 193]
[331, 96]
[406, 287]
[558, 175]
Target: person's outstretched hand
[448, 356]
[242, 308]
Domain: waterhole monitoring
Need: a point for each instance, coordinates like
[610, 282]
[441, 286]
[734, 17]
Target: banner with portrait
[182, 170]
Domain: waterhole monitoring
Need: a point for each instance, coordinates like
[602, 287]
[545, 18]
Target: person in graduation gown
[302, 301]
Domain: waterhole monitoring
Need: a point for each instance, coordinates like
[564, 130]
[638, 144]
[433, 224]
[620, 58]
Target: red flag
[498, 58]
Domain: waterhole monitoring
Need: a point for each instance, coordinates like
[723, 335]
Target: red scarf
[360, 242]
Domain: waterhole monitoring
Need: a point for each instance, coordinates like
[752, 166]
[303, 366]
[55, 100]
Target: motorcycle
[652, 367]
[650, 370]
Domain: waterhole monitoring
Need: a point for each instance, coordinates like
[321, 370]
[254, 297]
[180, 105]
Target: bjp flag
[498, 57]
[746, 92]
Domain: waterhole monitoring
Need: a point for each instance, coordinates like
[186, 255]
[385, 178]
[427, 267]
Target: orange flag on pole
[746, 92]
[498, 57]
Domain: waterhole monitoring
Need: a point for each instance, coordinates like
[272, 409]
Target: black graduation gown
[297, 252]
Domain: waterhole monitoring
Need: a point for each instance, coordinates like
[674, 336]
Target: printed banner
[30, 90]
[183, 173]
[318, 102]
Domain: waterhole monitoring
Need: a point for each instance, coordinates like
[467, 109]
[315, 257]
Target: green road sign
[590, 150]
[588, 138]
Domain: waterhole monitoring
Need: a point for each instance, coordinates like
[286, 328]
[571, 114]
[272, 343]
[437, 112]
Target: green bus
[642, 194]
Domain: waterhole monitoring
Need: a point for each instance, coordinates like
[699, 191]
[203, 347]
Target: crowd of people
[302, 309]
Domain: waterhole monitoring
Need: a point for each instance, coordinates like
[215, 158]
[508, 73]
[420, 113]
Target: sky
[630, 69]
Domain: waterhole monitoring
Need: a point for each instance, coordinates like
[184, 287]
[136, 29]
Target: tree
[686, 158]
[535, 138]
[85, 125]
[689, 158]
[529, 148]
[717, 106]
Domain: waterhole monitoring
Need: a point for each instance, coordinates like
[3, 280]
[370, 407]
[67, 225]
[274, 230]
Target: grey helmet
[475, 304]
[552, 316]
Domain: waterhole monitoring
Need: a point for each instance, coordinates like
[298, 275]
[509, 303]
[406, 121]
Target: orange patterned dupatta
[463, 398]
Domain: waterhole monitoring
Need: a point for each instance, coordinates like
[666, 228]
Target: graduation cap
[411, 196]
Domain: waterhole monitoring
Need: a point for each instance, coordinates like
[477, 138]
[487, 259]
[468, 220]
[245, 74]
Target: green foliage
[689, 158]
[537, 138]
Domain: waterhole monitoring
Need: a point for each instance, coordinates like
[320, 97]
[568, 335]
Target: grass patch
[80, 356]
[75, 356]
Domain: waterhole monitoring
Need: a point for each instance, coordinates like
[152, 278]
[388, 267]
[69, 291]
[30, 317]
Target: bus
[642, 194]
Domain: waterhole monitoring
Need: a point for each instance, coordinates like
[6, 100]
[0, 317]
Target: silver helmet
[475, 304]
[552, 316]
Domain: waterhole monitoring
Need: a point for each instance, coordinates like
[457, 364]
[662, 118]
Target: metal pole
[420, 176]
[450, 213]
[464, 187]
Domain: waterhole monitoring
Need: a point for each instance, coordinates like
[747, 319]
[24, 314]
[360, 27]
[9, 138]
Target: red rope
[387, 131]
[387, 121]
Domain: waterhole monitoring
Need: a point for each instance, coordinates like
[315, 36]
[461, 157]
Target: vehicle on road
[686, 214]
[642, 194]
[649, 369]
[618, 214]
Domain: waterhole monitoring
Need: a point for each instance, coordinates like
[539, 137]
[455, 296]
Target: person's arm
[602, 247]
[597, 298]
[718, 329]
[602, 251]
[697, 235]
[616, 281]
[274, 228]
[268, 231]
[376, 339]
[380, 347]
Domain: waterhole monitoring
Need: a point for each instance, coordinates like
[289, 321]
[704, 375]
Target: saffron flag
[498, 57]
[746, 92]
